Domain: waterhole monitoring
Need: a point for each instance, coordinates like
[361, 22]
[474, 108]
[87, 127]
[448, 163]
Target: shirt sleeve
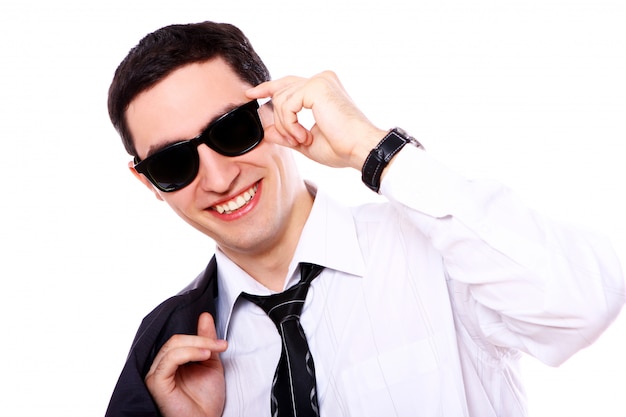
[532, 284]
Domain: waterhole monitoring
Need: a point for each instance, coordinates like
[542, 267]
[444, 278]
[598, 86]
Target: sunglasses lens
[173, 168]
[237, 132]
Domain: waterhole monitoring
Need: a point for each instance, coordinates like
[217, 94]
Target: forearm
[536, 285]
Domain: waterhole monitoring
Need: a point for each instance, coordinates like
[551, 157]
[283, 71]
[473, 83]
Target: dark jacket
[177, 315]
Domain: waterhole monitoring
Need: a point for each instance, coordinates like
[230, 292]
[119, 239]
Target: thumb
[206, 326]
[274, 136]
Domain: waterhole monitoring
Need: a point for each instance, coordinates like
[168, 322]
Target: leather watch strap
[380, 156]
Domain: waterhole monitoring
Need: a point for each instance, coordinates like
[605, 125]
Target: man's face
[247, 204]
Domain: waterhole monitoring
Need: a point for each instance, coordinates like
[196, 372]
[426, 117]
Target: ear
[144, 180]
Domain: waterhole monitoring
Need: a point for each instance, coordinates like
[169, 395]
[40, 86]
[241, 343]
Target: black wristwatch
[380, 156]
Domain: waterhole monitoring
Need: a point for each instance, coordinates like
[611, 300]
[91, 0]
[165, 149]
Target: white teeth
[237, 202]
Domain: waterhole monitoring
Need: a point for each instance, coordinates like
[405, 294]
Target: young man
[425, 302]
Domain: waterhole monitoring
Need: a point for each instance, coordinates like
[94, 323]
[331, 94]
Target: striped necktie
[294, 393]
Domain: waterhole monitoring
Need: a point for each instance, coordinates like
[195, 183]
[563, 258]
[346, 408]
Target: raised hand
[341, 137]
[186, 377]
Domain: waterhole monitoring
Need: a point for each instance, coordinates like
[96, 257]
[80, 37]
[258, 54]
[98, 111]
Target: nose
[217, 172]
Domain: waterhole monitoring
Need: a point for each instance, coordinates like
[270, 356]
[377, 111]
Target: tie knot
[289, 303]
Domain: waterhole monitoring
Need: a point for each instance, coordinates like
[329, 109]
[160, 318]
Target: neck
[269, 265]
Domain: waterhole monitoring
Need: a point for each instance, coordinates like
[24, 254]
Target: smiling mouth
[238, 202]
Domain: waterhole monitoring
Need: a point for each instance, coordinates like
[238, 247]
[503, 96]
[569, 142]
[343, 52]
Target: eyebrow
[165, 143]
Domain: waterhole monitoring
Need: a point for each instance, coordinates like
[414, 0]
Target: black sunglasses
[176, 166]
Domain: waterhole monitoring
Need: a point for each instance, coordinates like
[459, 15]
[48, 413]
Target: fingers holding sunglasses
[285, 108]
[341, 136]
[271, 132]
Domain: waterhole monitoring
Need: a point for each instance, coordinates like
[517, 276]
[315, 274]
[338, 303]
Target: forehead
[183, 103]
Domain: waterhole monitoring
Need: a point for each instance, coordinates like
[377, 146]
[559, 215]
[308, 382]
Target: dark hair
[171, 47]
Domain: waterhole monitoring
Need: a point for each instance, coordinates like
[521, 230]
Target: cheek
[266, 155]
[182, 201]
[284, 159]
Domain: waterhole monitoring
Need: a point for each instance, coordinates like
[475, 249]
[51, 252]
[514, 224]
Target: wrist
[364, 146]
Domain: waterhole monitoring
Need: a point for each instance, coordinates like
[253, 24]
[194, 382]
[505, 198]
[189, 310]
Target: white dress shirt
[426, 302]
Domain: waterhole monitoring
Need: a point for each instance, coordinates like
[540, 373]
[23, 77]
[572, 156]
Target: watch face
[401, 132]
[408, 138]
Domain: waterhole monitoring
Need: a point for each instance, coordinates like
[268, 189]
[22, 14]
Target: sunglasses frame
[205, 137]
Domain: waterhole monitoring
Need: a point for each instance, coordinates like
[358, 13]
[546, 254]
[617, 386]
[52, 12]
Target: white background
[532, 93]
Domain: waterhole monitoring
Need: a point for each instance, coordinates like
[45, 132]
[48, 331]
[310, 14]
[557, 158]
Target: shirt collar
[328, 238]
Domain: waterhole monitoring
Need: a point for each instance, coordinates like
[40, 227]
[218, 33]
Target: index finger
[270, 88]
